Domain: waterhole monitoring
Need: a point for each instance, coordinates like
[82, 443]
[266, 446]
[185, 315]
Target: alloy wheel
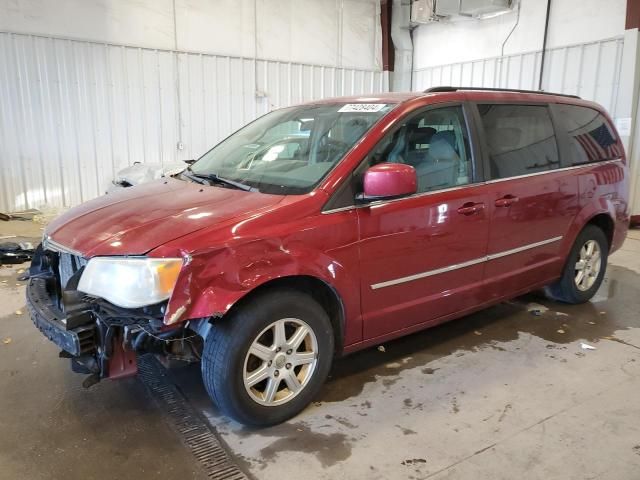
[280, 362]
[588, 265]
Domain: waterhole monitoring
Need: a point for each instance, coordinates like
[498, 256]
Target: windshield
[289, 151]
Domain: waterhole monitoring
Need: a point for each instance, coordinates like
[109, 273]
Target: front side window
[520, 138]
[289, 151]
[591, 138]
[435, 142]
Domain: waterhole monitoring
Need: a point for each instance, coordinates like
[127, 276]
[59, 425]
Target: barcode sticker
[363, 107]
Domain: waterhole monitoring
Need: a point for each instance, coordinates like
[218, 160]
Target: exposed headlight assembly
[130, 282]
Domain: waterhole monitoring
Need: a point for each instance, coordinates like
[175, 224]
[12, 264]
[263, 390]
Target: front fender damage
[214, 280]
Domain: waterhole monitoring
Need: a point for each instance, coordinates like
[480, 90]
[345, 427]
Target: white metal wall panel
[590, 70]
[73, 113]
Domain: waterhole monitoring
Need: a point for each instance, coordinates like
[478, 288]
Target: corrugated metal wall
[72, 113]
[590, 70]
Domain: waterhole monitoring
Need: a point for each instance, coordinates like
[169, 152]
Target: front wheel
[585, 268]
[265, 363]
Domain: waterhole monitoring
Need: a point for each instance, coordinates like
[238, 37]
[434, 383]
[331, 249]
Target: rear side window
[520, 138]
[591, 138]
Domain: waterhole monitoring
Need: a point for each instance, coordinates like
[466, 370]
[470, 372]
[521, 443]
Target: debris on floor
[14, 253]
[560, 330]
[536, 309]
[586, 346]
[25, 215]
[381, 348]
[6, 341]
[40, 216]
[413, 461]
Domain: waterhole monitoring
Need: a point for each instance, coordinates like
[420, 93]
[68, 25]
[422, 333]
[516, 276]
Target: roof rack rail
[488, 89]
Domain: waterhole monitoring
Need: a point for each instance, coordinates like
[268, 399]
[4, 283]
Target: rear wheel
[265, 363]
[585, 268]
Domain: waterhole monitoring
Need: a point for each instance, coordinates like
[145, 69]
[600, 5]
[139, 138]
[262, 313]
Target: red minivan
[321, 229]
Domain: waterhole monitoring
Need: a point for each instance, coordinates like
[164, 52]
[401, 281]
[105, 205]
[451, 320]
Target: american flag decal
[599, 144]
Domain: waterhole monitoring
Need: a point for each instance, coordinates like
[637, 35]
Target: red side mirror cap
[388, 180]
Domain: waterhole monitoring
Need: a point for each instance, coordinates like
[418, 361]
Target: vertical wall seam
[5, 111]
[21, 147]
[127, 106]
[109, 98]
[160, 110]
[92, 99]
[38, 139]
[596, 84]
[74, 68]
[616, 78]
[66, 200]
[143, 111]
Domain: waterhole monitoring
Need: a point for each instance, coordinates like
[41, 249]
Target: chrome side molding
[468, 263]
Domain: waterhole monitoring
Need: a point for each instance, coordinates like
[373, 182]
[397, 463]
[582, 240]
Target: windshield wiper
[212, 177]
[187, 173]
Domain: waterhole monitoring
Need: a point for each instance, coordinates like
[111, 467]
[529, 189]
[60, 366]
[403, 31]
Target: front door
[422, 257]
[532, 202]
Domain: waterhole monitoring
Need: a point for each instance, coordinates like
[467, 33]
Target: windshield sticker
[363, 107]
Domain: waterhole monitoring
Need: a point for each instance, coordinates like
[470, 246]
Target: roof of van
[459, 93]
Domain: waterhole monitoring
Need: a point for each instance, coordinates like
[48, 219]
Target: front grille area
[65, 260]
[68, 265]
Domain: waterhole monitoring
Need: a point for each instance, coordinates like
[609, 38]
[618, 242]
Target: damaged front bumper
[101, 340]
[53, 323]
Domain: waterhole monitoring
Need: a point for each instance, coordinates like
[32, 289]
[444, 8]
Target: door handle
[506, 201]
[470, 208]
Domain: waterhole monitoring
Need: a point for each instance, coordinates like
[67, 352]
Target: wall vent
[430, 10]
[422, 11]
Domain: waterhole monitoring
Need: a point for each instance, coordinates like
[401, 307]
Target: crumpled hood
[132, 221]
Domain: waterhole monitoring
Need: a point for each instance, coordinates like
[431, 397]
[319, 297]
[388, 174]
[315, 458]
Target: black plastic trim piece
[48, 319]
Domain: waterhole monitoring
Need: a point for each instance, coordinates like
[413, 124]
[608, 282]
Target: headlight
[130, 282]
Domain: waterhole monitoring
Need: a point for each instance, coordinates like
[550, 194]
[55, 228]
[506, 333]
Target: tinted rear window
[520, 138]
[591, 138]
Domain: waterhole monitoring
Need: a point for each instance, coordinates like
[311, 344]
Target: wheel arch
[316, 288]
[602, 214]
[605, 223]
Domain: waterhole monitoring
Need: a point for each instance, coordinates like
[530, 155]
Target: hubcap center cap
[280, 360]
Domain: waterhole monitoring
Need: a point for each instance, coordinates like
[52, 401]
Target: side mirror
[389, 180]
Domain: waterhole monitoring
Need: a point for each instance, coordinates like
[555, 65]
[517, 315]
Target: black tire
[226, 347]
[565, 290]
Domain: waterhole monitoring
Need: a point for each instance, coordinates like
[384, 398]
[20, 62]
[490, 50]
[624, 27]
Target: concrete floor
[506, 393]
